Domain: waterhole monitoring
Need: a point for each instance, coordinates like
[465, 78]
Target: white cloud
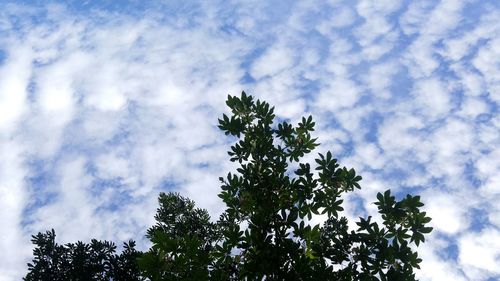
[433, 96]
[100, 126]
[489, 67]
[386, 7]
[339, 93]
[395, 135]
[109, 97]
[448, 212]
[445, 16]
[54, 85]
[14, 79]
[110, 166]
[72, 210]
[380, 77]
[470, 81]
[376, 25]
[368, 155]
[415, 16]
[274, 60]
[434, 266]
[420, 59]
[343, 17]
[479, 253]
[463, 44]
[488, 168]
[472, 107]
[432, 23]
[13, 195]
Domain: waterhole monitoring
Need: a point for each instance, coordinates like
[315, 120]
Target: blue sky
[103, 104]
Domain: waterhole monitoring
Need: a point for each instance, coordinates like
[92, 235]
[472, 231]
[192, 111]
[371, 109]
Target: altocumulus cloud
[102, 106]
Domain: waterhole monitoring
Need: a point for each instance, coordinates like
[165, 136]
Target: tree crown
[267, 231]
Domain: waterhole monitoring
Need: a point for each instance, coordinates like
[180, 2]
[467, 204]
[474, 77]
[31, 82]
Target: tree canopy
[267, 231]
[96, 260]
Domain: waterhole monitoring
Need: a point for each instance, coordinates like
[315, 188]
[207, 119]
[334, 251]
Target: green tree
[266, 231]
[182, 241]
[96, 261]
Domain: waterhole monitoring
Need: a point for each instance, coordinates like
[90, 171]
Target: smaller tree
[97, 260]
[182, 241]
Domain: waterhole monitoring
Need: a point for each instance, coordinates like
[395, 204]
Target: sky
[104, 104]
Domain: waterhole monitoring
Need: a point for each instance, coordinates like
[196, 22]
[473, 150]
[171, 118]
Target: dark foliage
[97, 261]
[267, 230]
[182, 239]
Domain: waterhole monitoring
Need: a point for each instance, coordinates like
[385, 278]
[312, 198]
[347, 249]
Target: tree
[80, 261]
[182, 241]
[266, 232]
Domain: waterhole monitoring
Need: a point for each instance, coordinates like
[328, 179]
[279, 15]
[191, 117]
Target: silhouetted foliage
[80, 261]
[267, 231]
[182, 240]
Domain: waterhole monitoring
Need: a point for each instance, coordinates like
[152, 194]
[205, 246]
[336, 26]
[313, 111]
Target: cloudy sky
[103, 104]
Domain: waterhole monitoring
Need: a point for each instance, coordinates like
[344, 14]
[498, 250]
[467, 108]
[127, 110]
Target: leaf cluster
[267, 231]
[182, 240]
[96, 260]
